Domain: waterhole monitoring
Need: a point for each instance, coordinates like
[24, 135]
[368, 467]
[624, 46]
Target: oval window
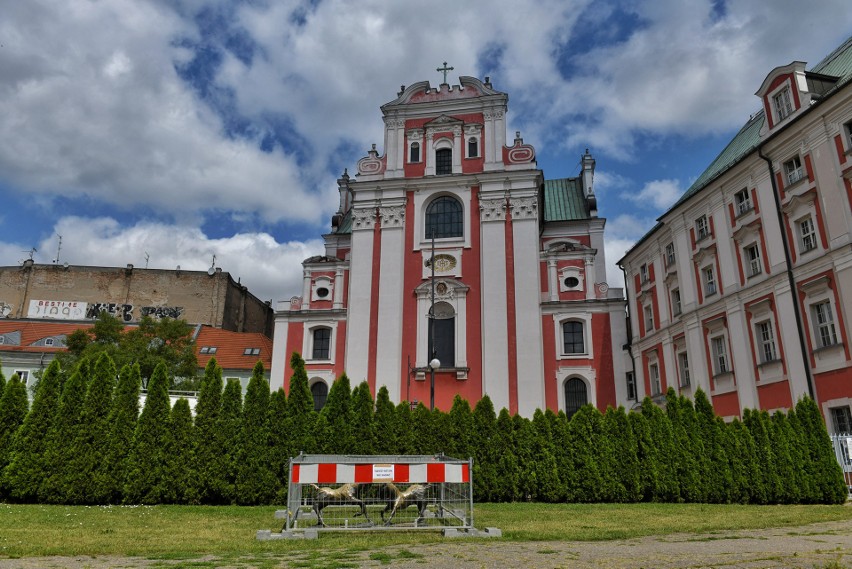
[572, 282]
[322, 292]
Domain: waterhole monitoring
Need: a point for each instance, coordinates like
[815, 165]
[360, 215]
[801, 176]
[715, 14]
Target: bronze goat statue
[346, 494]
[414, 495]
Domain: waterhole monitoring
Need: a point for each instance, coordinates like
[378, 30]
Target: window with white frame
[702, 228]
[631, 386]
[823, 318]
[765, 341]
[676, 302]
[783, 104]
[23, 375]
[807, 234]
[709, 276]
[742, 202]
[841, 420]
[670, 255]
[414, 152]
[847, 131]
[683, 368]
[49, 342]
[443, 161]
[752, 259]
[321, 344]
[573, 338]
[319, 392]
[719, 351]
[472, 147]
[643, 273]
[576, 395]
[649, 317]
[793, 170]
[654, 377]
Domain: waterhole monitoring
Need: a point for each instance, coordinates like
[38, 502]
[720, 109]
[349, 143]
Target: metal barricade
[843, 451]
[349, 492]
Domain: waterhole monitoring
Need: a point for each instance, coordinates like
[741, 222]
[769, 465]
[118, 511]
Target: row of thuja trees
[84, 441]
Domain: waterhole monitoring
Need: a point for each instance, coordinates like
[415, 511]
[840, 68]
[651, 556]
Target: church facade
[453, 267]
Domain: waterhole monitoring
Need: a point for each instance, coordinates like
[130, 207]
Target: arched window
[444, 217]
[321, 344]
[319, 390]
[444, 161]
[572, 337]
[575, 395]
[444, 323]
[414, 152]
[472, 148]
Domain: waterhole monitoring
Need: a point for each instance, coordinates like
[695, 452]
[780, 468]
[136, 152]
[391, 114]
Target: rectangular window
[742, 200]
[631, 386]
[783, 104]
[572, 338]
[443, 161]
[824, 324]
[649, 318]
[807, 234]
[670, 255]
[793, 170]
[251, 351]
[766, 342]
[23, 375]
[702, 228]
[208, 350]
[643, 273]
[654, 372]
[752, 254]
[683, 364]
[676, 302]
[841, 420]
[322, 344]
[720, 355]
[709, 281]
[847, 128]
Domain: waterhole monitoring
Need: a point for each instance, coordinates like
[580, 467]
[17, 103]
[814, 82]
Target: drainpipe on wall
[790, 278]
[629, 345]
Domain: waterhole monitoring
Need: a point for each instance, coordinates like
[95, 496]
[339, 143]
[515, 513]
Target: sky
[186, 132]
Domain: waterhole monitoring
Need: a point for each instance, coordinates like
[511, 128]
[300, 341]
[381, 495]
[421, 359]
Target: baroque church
[453, 267]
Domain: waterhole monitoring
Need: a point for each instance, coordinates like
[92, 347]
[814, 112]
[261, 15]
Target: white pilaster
[528, 339]
[495, 342]
[389, 340]
[360, 297]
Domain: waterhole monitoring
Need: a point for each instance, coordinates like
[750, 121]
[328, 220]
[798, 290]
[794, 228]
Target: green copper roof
[564, 200]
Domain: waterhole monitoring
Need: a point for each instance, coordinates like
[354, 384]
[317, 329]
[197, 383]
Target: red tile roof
[34, 330]
[231, 347]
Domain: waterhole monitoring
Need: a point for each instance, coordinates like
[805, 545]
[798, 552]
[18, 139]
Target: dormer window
[793, 170]
[49, 342]
[783, 104]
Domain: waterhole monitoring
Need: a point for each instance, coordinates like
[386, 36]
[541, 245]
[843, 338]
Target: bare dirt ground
[821, 546]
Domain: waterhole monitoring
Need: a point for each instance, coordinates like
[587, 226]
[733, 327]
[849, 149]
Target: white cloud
[270, 270]
[99, 110]
[656, 194]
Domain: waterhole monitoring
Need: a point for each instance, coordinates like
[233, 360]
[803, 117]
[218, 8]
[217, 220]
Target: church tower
[454, 268]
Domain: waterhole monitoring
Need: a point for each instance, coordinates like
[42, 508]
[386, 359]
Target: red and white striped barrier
[333, 473]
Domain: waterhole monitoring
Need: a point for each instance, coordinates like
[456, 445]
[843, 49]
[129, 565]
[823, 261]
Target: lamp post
[433, 360]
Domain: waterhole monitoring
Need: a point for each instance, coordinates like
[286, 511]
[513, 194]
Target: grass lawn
[192, 532]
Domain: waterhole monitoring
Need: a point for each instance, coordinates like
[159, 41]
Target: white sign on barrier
[383, 473]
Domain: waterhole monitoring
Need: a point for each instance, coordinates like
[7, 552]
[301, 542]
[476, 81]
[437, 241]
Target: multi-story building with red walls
[744, 287]
[522, 311]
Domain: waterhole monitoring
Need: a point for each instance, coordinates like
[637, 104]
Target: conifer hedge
[84, 441]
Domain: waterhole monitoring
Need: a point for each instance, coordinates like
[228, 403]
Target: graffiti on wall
[57, 309]
[73, 310]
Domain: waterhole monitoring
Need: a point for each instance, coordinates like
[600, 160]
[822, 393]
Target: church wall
[494, 326]
[360, 303]
[390, 296]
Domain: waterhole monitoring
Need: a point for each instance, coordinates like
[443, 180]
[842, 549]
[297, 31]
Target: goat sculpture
[346, 494]
[414, 495]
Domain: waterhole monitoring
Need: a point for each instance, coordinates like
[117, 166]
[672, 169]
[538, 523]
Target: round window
[322, 292]
[572, 282]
